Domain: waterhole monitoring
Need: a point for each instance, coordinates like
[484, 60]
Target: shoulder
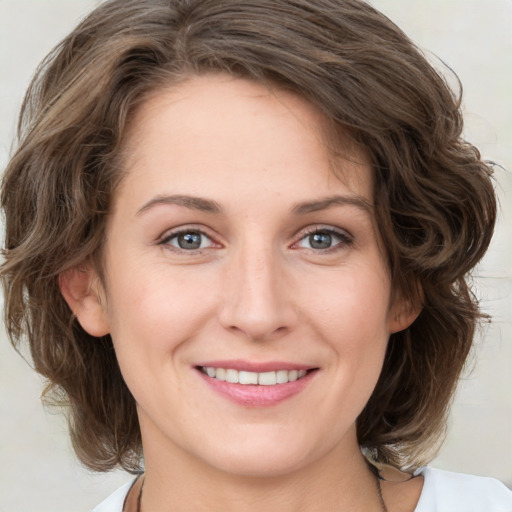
[444, 491]
[115, 502]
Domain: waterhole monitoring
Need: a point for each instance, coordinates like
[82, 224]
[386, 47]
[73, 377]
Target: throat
[263, 494]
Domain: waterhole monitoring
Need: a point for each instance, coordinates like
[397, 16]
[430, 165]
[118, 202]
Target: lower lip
[255, 395]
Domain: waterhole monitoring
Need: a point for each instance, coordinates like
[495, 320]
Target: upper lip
[257, 367]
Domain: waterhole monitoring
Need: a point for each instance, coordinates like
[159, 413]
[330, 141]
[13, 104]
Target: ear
[82, 290]
[403, 312]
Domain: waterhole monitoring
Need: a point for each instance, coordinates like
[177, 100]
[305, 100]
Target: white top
[442, 492]
[456, 492]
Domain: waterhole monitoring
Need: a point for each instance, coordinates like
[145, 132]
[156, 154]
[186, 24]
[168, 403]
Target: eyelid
[174, 232]
[345, 237]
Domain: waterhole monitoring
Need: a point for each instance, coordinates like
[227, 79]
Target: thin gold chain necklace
[379, 491]
[139, 499]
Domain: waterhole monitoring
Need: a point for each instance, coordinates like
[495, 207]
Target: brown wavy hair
[434, 200]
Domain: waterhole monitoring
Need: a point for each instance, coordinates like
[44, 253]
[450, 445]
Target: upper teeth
[261, 378]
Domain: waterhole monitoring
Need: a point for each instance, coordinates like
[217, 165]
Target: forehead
[226, 128]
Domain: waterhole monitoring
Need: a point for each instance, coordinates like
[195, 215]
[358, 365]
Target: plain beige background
[38, 472]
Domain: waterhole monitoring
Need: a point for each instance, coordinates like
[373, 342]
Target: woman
[238, 236]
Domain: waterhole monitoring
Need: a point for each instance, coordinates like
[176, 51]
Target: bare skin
[399, 497]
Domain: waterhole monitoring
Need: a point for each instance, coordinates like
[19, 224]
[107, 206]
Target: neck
[339, 481]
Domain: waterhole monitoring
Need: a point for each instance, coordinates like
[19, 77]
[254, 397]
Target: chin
[263, 459]
[261, 467]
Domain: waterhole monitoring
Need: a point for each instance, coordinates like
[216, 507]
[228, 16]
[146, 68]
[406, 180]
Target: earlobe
[404, 312]
[403, 318]
[82, 290]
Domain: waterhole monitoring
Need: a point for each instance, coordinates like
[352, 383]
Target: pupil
[320, 240]
[189, 241]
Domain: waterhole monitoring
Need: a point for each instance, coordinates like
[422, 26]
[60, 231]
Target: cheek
[351, 317]
[157, 309]
[353, 301]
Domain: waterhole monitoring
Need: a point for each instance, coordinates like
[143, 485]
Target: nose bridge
[257, 300]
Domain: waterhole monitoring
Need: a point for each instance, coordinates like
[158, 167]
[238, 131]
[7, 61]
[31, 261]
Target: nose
[257, 299]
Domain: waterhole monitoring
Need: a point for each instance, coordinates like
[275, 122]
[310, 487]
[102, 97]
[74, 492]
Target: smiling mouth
[272, 378]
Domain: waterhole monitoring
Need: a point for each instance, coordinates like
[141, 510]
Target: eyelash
[175, 234]
[344, 239]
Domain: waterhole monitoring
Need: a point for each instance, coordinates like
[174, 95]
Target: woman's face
[234, 252]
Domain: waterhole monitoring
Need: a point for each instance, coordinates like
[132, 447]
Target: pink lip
[250, 366]
[256, 395]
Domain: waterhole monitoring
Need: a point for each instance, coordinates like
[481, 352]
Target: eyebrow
[329, 202]
[210, 206]
[191, 202]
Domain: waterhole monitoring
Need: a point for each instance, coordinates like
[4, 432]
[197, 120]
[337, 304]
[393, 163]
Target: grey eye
[320, 240]
[189, 240]
[325, 239]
